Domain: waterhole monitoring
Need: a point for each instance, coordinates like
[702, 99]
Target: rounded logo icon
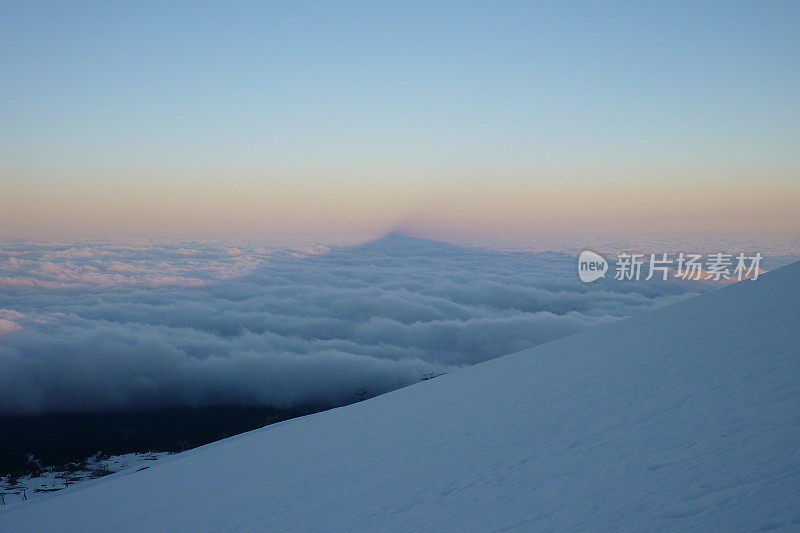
[591, 266]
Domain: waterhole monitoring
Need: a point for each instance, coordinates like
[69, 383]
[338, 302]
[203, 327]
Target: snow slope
[683, 418]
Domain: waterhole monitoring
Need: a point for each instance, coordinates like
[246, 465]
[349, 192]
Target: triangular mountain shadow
[401, 242]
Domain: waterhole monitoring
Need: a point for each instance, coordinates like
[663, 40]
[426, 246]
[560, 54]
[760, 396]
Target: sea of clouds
[99, 326]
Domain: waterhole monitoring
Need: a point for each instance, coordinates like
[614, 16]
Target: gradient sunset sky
[186, 119]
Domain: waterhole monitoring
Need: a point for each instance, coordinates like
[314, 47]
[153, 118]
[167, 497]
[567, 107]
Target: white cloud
[153, 324]
[7, 326]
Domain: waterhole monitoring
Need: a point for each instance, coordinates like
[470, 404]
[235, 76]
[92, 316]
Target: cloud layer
[110, 326]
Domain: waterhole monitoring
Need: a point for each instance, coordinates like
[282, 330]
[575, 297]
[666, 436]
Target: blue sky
[187, 118]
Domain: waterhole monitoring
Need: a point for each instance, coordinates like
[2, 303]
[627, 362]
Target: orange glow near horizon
[309, 207]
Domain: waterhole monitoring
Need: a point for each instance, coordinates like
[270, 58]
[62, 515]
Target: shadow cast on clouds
[110, 326]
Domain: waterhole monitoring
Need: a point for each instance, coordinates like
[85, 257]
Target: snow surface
[683, 418]
[49, 480]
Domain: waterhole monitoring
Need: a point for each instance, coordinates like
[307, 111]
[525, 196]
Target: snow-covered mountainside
[17, 491]
[685, 417]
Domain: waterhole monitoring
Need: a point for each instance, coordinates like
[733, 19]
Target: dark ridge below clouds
[103, 327]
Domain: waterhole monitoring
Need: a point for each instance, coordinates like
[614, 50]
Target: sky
[233, 119]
